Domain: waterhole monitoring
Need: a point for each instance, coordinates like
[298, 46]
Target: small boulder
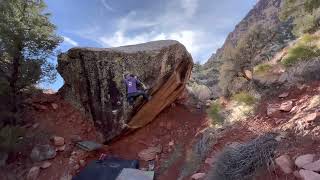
[312, 117]
[149, 154]
[309, 175]
[297, 174]
[304, 159]
[58, 141]
[43, 152]
[33, 173]
[285, 163]
[210, 161]
[35, 126]
[76, 167]
[54, 106]
[198, 176]
[271, 109]
[45, 165]
[286, 106]
[248, 74]
[315, 166]
[82, 163]
[61, 148]
[284, 95]
[67, 176]
[171, 143]
[75, 138]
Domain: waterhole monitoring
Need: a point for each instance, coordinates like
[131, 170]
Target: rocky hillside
[258, 37]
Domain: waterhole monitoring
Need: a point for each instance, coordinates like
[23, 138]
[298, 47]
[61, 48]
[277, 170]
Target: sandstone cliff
[94, 82]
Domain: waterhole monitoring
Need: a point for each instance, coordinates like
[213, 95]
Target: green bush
[300, 52]
[243, 97]
[215, 113]
[9, 136]
[262, 68]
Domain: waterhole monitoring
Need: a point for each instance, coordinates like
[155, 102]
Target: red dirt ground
[178, 123]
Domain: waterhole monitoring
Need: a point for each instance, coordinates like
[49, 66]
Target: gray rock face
[43, 152]
[307, 70]
[94, 82]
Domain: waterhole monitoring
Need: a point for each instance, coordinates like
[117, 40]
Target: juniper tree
[27, 40]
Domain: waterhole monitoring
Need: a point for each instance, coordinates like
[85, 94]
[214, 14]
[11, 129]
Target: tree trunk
[14, 80]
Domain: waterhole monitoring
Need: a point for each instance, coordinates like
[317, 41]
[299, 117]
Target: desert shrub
[310, 5]
[245, 160]
[198, 153]
[9, 136]
[304, 14]
[305, 49]
[173, 158]
[215, 112]
[244, 97]
[262, 68]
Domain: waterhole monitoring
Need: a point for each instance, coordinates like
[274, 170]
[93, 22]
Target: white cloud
[106, 5]
[192, 40]
[189, 6]
[70, 41]
[187, 21]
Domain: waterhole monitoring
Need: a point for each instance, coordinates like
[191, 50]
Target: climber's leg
[144, 95]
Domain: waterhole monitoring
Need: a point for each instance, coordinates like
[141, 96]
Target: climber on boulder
[132, 83]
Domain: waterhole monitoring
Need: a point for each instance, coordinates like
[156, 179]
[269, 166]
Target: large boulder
[94, 82]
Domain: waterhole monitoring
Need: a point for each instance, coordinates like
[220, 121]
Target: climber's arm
[141, 84]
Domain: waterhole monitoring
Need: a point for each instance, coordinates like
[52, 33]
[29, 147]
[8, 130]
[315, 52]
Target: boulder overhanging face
[94, 82]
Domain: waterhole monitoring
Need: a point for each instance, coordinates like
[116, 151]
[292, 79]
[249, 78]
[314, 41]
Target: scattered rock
[248, 74]
[171, 143]
[315, 166]
[198, 176]
[3, 158]
[61, 148]
[297, 174]
[210, 161]
[41, 107]
[54, 106]
[312, 117]
[43, 152]
[75, 138]
[304, 159]
[82, 163]
[149, 154]
[35, 126]
[285, 163]
[33, 173]
[66, 177]
[76, 167]
[58, 141]
[271, 109]
[286, 106]
[284, 95]
[309, 175]
[282, 135]
[233, 144]
[46, 165]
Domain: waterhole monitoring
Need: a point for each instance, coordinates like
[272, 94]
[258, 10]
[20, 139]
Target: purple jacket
[131, 83]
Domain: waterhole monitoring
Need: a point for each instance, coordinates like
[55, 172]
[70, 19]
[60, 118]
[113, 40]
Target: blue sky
[201, 25]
